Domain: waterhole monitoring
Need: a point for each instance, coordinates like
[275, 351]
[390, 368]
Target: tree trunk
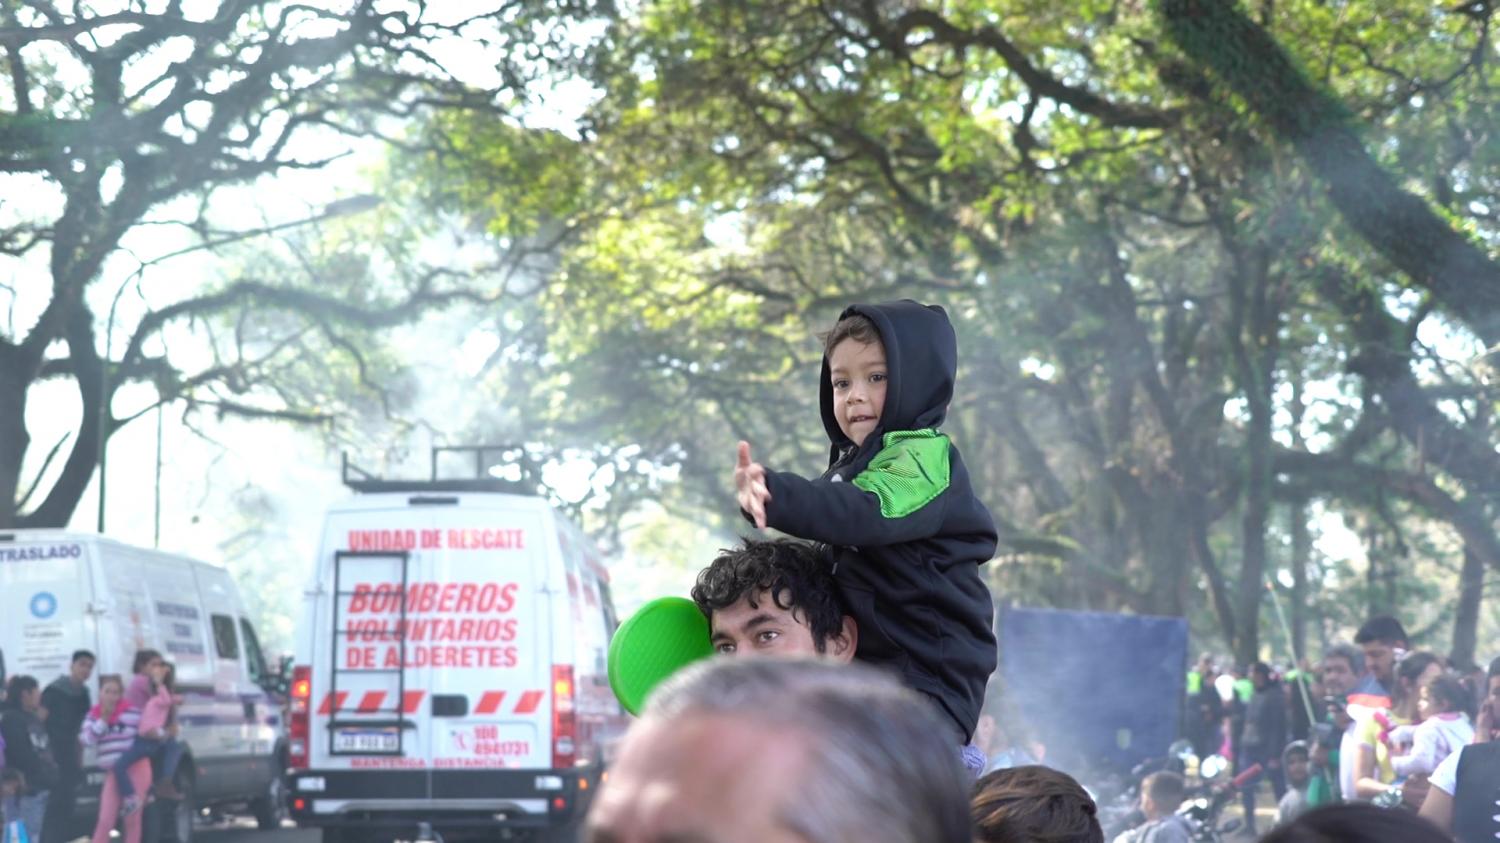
[56, 510]
[1243, 56]
[1466, 620]
[14, 439]
[1253, 533]
[1301, 559]
[1373, 580]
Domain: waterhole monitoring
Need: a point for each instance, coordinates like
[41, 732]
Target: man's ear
[842, 644]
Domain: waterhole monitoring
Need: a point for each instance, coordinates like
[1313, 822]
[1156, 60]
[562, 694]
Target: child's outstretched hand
[750, 485]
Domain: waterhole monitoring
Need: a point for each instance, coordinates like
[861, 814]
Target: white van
[451, 667]
[62, 591]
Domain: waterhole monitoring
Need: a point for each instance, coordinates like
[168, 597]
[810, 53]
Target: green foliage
[1139, 268]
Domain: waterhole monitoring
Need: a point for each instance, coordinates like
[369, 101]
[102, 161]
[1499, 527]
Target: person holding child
[150, 692]
[906, 532]
[1374, 774]
[111, 727]
[1443, 709]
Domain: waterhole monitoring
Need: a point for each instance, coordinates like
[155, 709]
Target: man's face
[1338, 676]
[764, 629]
[858, 375]
[1380, 658]
[1319, 757]
[81, 670]
[700, 779]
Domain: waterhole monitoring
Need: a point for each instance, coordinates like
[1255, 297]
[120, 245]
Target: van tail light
[564, 723]
[298, 728]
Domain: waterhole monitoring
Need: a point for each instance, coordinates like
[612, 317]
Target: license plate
[366, 740]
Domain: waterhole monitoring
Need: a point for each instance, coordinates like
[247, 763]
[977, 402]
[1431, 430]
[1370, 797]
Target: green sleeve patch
[910, 471]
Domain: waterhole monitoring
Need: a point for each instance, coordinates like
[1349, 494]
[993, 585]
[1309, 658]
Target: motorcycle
[1206, 801]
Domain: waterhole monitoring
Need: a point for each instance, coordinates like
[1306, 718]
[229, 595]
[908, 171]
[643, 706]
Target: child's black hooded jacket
[907, 532]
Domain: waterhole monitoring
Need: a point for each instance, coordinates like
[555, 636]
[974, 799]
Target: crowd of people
[1374, 721]
[889, 579]
[766, 749]
[1390, 744]
[43, 734]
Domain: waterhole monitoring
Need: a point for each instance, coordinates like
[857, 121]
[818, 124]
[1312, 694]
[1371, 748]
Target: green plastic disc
[661, 638]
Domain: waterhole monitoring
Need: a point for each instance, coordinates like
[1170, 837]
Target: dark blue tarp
[1100, 690]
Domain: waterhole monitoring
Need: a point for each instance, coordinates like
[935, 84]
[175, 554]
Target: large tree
[119, 118]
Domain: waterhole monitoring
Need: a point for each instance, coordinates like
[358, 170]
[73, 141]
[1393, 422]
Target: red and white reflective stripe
[491, 702]
[529, 702]
[370, 701]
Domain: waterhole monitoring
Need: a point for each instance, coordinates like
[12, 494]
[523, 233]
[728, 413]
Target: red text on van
[468, 538]
[424, 598]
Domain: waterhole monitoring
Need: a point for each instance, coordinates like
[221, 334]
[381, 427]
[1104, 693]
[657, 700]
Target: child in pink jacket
[150, 692]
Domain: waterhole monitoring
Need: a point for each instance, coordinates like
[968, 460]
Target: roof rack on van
[522, 473]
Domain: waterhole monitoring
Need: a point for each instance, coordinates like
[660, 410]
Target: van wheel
[171, 820]
[271, 808]
[180, 822]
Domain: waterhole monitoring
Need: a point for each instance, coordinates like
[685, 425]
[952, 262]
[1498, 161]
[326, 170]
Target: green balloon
[661, 638]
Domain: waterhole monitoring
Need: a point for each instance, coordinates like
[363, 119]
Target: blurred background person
[1356, 823]
[1263, 738]
[1032, 803]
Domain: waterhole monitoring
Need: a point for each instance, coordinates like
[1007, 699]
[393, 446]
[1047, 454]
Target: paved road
[244, 831]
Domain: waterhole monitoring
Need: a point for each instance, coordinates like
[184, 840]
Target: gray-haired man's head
[781, 751]
[1343, 664]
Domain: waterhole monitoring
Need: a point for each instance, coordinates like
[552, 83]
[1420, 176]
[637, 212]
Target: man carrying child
[905, 530]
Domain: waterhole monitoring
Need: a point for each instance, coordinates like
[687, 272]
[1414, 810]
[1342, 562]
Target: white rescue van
[451, 667]
[62, 591]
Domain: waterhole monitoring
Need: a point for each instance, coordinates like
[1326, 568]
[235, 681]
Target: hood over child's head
[920, 360]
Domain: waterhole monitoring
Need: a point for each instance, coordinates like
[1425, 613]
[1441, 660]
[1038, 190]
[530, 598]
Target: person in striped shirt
[110, 728]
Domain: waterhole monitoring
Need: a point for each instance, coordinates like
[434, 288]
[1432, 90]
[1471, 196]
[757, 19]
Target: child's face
[1296, 770]
[1425, 708]
[858, 375]
[109, 695]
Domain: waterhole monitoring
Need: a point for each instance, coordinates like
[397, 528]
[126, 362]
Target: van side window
[611, 622]
[225, 643]
[254, 659]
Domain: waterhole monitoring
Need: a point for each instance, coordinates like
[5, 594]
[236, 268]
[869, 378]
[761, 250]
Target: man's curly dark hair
[793, 573]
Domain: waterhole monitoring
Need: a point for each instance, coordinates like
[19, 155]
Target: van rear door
[369, 700]
[440, 612]
[488, 640]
